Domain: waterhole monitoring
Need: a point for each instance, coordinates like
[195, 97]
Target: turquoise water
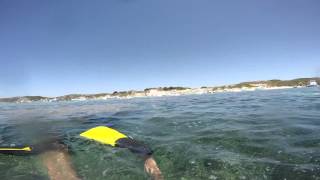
[248, 135]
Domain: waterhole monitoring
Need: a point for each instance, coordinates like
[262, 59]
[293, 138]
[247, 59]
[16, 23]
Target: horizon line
[154, 88]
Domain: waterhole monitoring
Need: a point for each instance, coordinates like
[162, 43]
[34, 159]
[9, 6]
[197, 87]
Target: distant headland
[173, 91]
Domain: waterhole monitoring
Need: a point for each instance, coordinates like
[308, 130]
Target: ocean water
[271, 134]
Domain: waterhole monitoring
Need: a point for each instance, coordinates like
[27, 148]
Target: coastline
[170, 91]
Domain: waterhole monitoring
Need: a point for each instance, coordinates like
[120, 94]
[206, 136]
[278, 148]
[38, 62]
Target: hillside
[170, 91]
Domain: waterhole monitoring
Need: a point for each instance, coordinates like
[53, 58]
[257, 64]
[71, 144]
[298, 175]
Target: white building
[313, 83]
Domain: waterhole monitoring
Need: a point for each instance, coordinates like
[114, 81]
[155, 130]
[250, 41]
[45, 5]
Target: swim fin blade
[15, 149]
[103, 134]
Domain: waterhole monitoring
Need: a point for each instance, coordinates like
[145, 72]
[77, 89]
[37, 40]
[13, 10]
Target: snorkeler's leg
[58, 165]
[152, 168]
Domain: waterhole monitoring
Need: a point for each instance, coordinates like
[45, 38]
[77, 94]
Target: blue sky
[59, 47]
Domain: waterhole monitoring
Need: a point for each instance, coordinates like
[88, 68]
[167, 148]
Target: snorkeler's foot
[152, 168]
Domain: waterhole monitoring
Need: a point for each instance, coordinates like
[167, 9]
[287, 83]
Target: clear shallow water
[248, 135]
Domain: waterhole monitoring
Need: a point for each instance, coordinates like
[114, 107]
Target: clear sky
[57, 47]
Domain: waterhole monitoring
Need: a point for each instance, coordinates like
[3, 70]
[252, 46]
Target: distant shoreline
[171, 91]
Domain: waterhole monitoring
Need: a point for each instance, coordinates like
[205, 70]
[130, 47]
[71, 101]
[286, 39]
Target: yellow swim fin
[16, 149]
[103, 135]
